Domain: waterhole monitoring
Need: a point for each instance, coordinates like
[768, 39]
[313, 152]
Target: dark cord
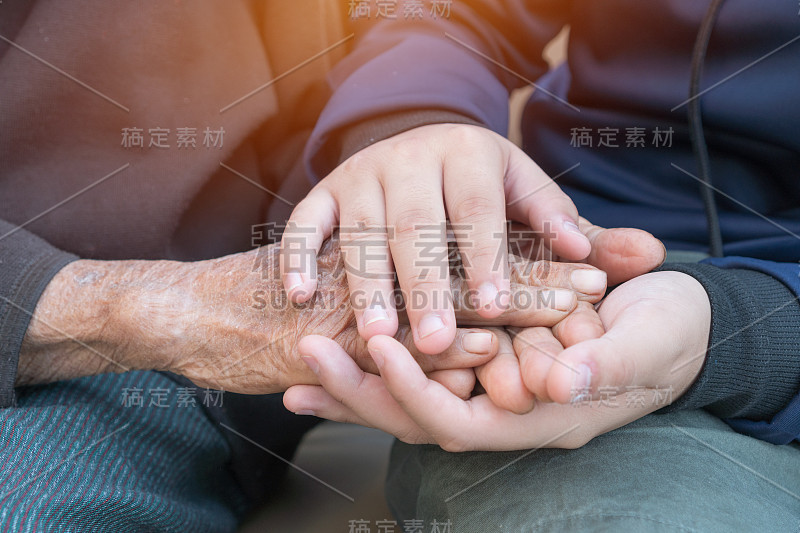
[699, 145]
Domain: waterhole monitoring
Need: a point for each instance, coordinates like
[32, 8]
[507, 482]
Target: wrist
[750, 368]
[80, 325]
[149, 308]
[370, 131]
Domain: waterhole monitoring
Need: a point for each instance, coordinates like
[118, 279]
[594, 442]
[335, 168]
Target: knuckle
[540, 273]
[358, 164]
[467, 136]
[482, 255]
[625, 371]
[617, 370]
[364, 225]
[425, 283]
[543, 348]
[410, 147]
[474, 205]
[410, 221]
[301, 238]
[361, 383]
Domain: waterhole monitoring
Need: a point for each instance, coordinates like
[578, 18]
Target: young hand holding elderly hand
[400, 192]
[225, 323]
[649, 334]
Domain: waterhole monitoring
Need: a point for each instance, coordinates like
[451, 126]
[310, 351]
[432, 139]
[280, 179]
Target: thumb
[626, 356]
[623, 253]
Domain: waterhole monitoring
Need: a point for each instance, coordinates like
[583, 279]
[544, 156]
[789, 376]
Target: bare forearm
[97, 317]
[84, 323]
[223, 323]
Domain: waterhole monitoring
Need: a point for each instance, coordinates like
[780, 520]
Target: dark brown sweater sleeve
[27, 264]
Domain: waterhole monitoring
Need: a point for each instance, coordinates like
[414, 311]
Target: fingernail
[571, 227]
[559, 299]
[583, 380]
[293, 280]
[311, 362]
[429, 325]
[305, 412]
[588, 281]
[378, 357]
[375, 314]
[487, 293]
[477, 343]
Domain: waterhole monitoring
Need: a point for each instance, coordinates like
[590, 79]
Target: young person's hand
[391, 201]
[516, 377]
[657, 329]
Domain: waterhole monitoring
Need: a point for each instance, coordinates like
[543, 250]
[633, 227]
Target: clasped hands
[649, 335]
[253, 323]
[242, 322]
[545, 386]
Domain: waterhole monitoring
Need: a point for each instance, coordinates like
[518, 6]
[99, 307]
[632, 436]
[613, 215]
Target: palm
[659, 323]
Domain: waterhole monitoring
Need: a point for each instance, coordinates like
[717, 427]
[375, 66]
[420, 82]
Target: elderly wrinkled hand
[226, 323]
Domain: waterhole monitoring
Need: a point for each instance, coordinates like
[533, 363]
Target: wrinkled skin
[271, 363]
[227, 324]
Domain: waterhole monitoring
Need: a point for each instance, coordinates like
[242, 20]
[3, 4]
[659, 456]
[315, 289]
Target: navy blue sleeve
[439, 64]
[751, 376]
